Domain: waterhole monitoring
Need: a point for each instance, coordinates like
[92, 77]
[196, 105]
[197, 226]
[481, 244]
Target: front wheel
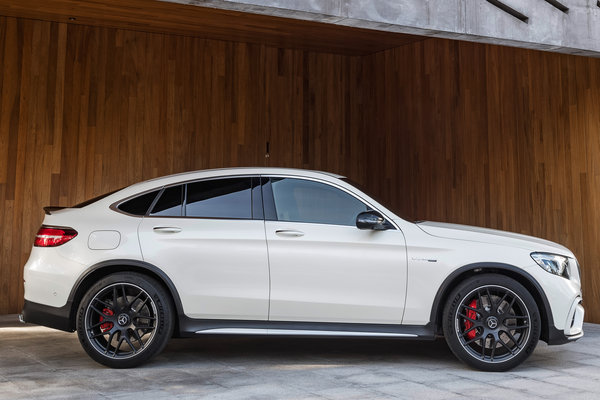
[491, 322]
[124, 319]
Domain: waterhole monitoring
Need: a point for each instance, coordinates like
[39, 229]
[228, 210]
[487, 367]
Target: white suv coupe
[290, 252]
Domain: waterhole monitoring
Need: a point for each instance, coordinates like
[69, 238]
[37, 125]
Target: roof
[245, 170]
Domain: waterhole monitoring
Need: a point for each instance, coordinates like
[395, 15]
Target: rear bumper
[52, 317]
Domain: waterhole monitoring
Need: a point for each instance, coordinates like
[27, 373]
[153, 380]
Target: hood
[493, 236]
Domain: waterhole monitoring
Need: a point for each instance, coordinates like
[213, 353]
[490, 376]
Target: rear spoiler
[48, 210]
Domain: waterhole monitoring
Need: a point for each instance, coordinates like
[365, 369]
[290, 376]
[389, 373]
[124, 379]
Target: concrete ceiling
[210, 23]
[566, 26]
[354, 27]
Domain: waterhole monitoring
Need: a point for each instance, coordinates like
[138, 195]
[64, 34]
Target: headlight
[552, 263]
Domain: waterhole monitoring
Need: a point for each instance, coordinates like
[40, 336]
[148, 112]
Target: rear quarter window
[170, 202]
[139, 205]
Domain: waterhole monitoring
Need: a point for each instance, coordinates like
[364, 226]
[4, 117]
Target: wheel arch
[508, 270]
[104, 268]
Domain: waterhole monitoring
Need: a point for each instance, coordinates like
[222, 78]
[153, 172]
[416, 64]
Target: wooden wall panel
[322, 134]
[441, 130]
[85, 110]
[491, 136]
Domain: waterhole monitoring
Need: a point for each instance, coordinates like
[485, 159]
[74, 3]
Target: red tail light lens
[53, 236]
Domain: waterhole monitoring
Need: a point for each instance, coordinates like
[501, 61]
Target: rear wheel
[491, 322]
[124, 320]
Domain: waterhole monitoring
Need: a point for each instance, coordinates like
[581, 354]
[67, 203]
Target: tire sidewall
[164, 328]
[457, 295]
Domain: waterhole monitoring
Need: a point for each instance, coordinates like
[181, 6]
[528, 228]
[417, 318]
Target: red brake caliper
[468, 324]
[107, 326]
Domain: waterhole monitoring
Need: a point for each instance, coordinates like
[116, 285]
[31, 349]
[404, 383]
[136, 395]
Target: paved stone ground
[37, 362]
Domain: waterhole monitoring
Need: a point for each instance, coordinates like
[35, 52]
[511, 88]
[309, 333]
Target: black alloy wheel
[491, 322]
[124, 319]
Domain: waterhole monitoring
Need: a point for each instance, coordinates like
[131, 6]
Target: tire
[491, 322]
[124, 320]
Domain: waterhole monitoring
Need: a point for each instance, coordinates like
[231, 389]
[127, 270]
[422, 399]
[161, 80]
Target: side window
[138, 205]
[220, 198]
[299, 200]
[169, 203]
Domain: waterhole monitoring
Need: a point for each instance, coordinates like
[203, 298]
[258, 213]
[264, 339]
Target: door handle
[289, 233]
[166, 229]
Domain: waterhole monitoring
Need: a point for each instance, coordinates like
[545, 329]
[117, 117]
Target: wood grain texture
[85, 110]
[491, 136]
[209, 23]
[441, 130]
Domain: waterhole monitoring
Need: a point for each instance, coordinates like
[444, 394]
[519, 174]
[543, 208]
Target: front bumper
[52, 317]
[573, 326]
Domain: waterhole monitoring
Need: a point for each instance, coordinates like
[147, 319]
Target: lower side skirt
[192, 327]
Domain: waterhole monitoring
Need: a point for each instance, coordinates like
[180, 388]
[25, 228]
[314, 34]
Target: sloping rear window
[93, 200]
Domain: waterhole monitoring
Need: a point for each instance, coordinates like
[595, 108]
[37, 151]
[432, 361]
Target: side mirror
[371, 220]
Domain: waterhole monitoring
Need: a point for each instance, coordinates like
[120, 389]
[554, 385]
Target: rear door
[208, 236]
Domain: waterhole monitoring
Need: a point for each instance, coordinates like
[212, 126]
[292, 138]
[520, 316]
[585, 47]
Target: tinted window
[169, 203]
[220, 198]
[299, 200]
[138, 205]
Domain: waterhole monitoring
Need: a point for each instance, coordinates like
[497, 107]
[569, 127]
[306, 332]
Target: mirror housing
[372, 220]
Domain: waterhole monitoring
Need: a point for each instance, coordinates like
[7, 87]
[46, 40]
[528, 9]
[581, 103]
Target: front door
[323, 268]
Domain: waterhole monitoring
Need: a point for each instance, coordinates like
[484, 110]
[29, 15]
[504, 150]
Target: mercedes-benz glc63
[274, 251]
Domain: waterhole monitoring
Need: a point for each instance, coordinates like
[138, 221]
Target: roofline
[242, 169]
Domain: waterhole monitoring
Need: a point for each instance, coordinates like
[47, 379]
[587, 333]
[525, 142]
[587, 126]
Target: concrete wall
[576, 31]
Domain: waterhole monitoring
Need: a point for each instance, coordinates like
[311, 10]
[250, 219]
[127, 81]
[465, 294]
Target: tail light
[52, 236]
